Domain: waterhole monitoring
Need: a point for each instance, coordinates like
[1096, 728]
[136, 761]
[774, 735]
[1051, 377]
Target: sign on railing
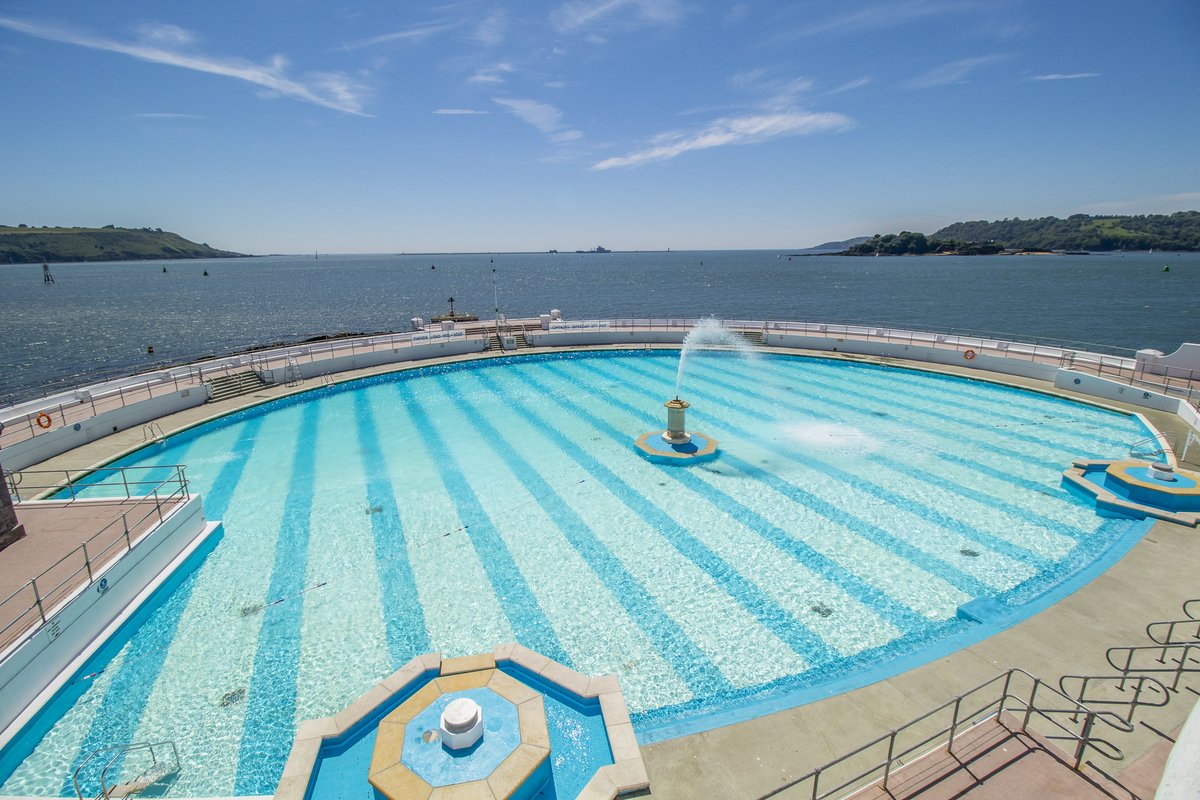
[432, 337]
[580, 325]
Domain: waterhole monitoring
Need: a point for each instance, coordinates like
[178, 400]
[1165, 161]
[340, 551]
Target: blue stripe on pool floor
[117, 718]
[404, 618]
[758, 603]
[660, 628]
[271, 700]
[525, 616]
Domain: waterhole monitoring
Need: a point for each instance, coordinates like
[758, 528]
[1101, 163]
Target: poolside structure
[669, 759]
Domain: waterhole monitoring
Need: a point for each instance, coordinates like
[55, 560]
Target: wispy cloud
[731, 131]
[746, 78]
[590, 15]
[1069, 76]
[164, 34]
[494, 74]
[415, 33]
[492, 29]
[737, 13]
[878, 16]
[850, 86]
[167, 115]
[329, 90]
[543, 116]
[953, 72]
[459, 112]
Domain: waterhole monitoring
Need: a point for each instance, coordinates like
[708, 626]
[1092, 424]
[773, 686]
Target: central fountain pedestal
[676, 445]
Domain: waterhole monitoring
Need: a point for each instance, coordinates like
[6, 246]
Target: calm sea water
[100, 317]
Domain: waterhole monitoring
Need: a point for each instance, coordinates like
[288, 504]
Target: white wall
[67, 437]
[1112, 390]
[329, 366]
[36, 669]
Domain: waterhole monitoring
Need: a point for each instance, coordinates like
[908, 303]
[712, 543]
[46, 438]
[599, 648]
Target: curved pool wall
[501, 463]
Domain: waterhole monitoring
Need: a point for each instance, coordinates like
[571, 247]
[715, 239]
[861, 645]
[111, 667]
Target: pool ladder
[158, 770]
[153, 432]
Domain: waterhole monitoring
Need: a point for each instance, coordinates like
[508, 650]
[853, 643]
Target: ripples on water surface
[102, 316]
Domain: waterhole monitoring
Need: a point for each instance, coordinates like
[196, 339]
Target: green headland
[26, 245]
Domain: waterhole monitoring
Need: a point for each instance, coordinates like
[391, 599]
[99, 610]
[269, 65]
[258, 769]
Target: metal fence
[154, 498]
[1033, 704]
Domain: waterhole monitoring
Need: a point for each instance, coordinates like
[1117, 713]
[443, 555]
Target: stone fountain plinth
[676, 445]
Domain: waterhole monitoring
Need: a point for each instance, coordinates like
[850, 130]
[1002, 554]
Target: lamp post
[495, 296]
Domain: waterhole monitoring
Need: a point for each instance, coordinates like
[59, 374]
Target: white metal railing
[1115, 363]
[32, 605]
[1053, 715]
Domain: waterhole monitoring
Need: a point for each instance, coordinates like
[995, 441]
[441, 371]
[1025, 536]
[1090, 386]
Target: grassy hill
[1178, 231]
[24, 245]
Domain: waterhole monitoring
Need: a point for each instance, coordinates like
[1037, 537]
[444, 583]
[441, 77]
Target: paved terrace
[748, 759]
[68, 544]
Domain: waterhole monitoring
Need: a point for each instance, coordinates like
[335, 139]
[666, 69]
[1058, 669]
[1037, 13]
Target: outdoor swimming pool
[853, 509]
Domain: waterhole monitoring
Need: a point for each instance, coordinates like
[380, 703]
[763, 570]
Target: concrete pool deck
[747, 759]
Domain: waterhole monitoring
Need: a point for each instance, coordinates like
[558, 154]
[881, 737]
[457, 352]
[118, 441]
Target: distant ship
[598, 249]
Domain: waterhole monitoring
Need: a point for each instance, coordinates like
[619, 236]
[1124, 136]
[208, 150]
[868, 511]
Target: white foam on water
[828, 436]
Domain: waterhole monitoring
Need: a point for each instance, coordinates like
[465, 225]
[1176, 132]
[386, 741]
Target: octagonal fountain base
[654, 447]
[1138, 489]
[389, 741]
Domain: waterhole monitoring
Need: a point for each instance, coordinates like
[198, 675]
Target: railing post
[953, 725]
[125, 480]
[37, 598]
[87, 562]
[887, 765]
[816, 783]
[1029, 705]
[1084, 736]
[158, 506]
[125, 525]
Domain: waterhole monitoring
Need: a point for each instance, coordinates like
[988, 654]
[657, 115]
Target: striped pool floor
[852, 510]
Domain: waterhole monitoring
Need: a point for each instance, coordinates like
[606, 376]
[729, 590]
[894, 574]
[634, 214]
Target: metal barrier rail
[1164, 632]
[1057, 710]
[1104, 360]
[32, 605]
[1147, 691]
[1172, 659]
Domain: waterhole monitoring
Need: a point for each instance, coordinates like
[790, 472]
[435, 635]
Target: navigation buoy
[206, 273]
[150, 349]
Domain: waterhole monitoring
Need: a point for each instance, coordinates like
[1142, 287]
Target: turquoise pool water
[852, 510]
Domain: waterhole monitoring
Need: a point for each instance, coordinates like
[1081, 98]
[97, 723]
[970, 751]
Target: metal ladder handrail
[1153, 630]
[1156, 686]
[1188, 652]
[118, 751]
[993, 709]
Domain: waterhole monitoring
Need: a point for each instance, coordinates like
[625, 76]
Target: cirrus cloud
[749, 129]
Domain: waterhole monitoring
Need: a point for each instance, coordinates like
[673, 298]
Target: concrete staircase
[753, 337]
[494, 343]
[235, 385]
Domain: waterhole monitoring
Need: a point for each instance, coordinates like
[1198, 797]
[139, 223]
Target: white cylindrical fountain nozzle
[461, 724]
[676, 432]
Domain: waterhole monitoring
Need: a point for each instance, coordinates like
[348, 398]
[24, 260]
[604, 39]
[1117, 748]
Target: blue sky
[295, 125]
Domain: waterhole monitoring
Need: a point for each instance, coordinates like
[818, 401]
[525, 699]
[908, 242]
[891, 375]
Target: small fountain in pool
[676, 444]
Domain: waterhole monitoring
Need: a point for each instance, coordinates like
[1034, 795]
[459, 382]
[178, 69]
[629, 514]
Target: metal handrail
[1156, 633]
[1184, 657]
[962, 720]
[119, 751]
[1103, 359]
[1144, 686]
[45, 600]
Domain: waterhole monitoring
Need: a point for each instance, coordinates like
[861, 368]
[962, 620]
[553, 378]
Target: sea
[99, 320]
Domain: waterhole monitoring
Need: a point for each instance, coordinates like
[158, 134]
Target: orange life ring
[968, 355]
[44, 421]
